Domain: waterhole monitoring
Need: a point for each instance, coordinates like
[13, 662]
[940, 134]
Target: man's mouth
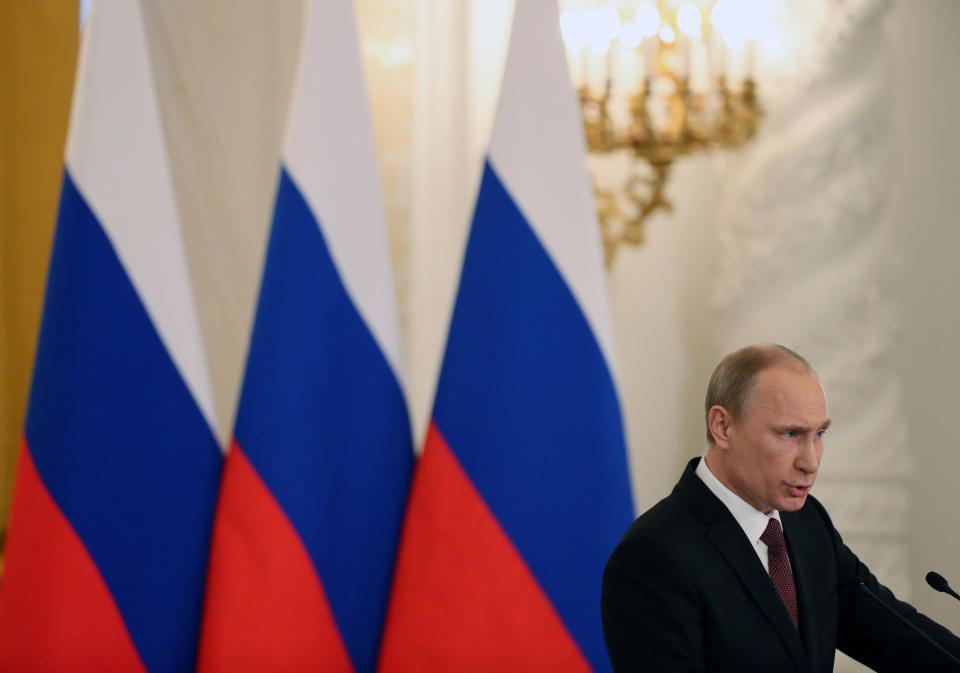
[798, 491]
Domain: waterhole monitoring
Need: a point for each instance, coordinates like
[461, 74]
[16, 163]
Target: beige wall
[925, 38]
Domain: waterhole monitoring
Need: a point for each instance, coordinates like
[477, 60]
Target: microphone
[913, 627]
[939, 582]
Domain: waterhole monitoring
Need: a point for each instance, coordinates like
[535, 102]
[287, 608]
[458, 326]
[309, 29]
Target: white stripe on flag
[117, 157]
[331, 156]
[537, 148]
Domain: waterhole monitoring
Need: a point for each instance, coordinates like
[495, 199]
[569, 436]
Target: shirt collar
[751, 520]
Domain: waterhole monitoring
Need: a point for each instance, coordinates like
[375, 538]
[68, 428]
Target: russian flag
[522, 490]
[315, 483]
[117, 479]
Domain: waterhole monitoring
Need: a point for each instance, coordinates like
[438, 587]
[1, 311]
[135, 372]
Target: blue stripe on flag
[324, 422]
[527, 403]
[120, 443]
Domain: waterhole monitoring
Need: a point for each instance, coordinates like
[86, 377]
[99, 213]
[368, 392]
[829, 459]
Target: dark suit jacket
[685, 591]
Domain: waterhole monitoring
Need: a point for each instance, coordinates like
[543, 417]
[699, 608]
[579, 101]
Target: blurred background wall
[925, 39]
[833, 231]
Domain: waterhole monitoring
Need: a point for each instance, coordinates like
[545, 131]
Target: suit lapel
[729, 539]
[727, 535]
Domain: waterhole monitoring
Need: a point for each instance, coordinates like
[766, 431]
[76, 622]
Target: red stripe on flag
[265, 608]
[463, 598]
[56, 612]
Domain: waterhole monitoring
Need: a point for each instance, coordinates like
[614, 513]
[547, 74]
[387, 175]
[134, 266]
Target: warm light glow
[599, 47]
[629, 36]
[667, 34]
[756, 19]
[763, 29]
[688, 19]
[597, 30]
[648, 19]
[732, 21]
[571, 28]
[722, 16]
[734, 36]
[608, 21]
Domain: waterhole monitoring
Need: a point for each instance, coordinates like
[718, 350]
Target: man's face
[774, 450]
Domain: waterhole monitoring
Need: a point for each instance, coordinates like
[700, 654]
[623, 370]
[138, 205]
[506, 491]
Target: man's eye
[789, 434]
[821, 433]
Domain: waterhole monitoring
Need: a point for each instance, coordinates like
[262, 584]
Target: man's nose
[808, 458]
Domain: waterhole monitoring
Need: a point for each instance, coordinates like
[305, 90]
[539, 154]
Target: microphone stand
[924, 636]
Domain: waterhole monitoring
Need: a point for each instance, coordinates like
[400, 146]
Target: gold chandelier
[658, 81]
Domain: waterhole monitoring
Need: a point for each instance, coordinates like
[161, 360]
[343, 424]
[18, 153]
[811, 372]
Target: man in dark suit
[739, 569]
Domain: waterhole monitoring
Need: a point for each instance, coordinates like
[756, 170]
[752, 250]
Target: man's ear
[720, 422]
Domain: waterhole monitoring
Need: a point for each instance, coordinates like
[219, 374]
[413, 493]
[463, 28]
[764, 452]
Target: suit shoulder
[663, 530]
[662, 517]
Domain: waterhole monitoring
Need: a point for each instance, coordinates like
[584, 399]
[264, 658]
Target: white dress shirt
[751, 520]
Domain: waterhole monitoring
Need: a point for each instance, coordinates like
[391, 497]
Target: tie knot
[773, 536]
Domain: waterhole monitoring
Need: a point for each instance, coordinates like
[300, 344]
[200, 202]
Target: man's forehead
[790, 391]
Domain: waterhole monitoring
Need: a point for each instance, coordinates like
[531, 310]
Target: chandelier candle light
[670, 80]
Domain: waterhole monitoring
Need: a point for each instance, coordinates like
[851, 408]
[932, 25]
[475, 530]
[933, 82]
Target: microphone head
[937, 581]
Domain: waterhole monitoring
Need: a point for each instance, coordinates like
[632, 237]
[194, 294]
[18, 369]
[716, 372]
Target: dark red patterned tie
[780, 568]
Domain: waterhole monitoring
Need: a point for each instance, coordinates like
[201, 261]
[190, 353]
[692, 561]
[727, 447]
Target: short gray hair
[732, 381]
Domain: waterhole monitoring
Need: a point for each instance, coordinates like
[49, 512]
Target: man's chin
[793, 503]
